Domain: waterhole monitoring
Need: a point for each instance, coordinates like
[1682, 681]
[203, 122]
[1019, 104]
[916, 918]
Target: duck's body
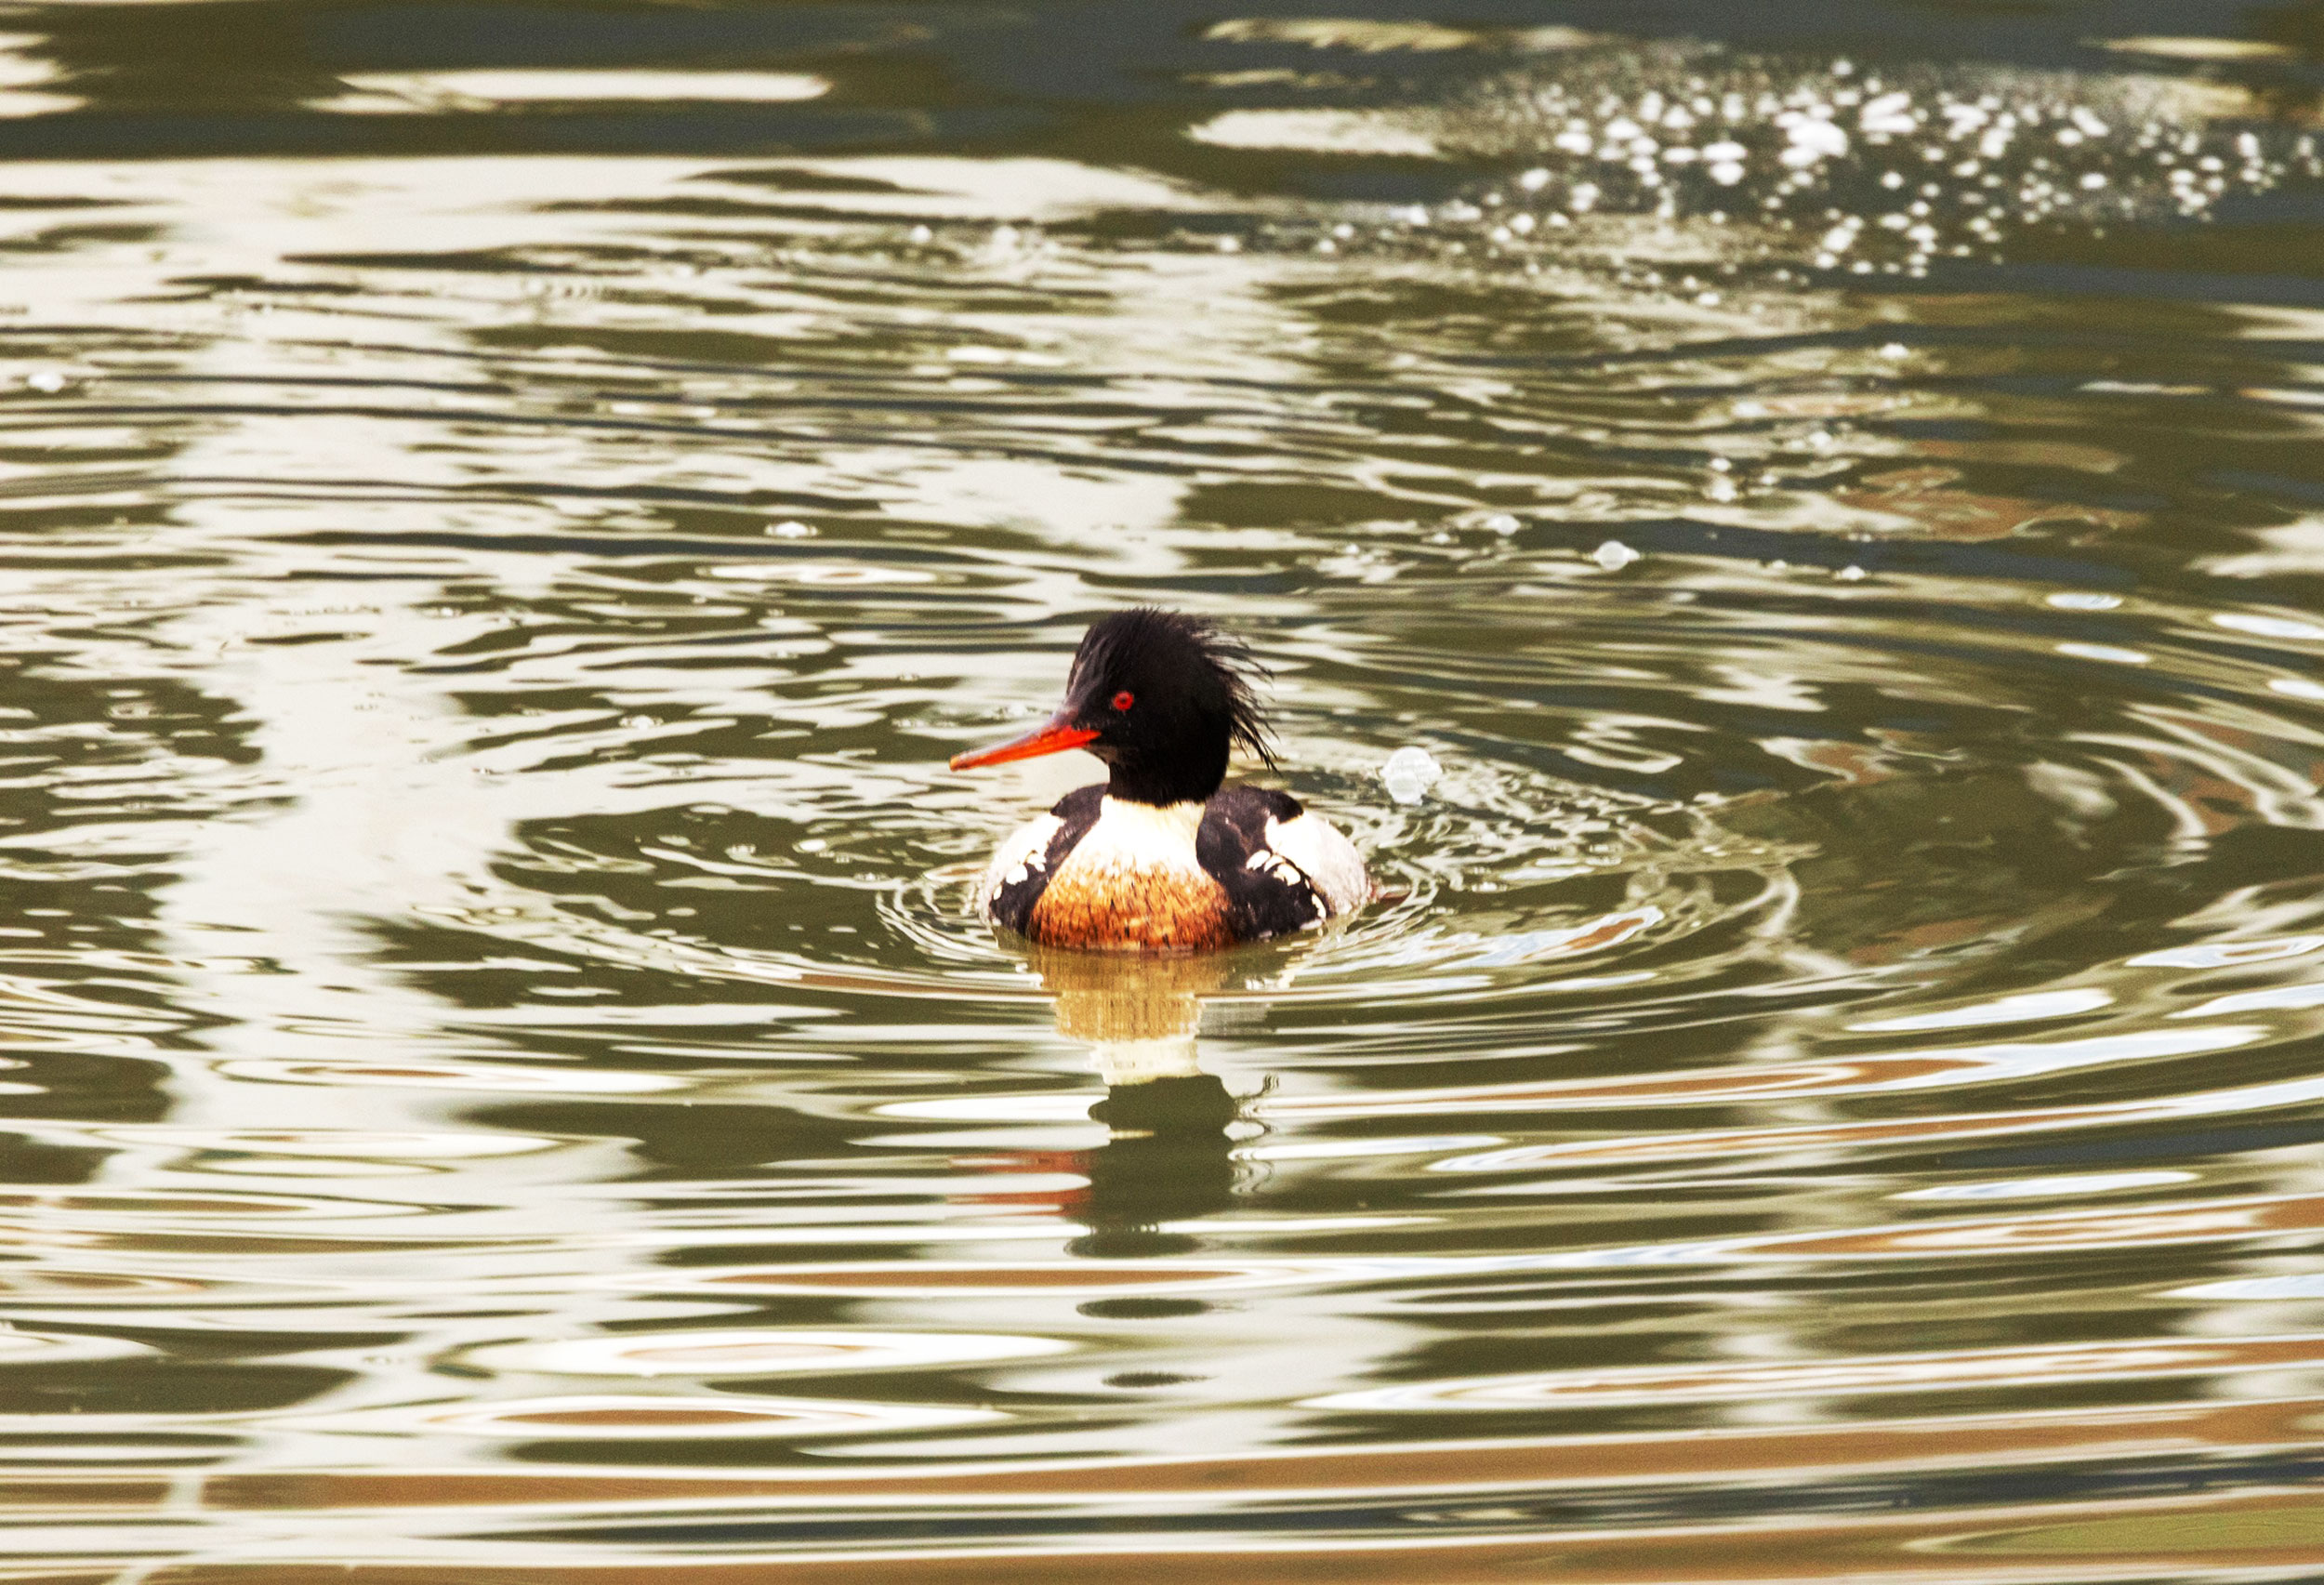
[1163, 857]
[1097, 871]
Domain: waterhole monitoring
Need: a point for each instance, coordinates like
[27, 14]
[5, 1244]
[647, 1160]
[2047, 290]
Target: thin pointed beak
[1053, 736]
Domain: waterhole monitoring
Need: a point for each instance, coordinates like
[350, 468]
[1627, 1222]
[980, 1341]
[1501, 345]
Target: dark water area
[506, 509]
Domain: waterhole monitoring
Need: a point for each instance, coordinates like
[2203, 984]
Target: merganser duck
[1163, 857]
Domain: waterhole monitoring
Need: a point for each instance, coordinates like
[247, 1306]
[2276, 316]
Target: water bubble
[1614, 555]
[1409, 773]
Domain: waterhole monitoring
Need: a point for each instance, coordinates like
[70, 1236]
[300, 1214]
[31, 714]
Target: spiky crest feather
[1147, 629]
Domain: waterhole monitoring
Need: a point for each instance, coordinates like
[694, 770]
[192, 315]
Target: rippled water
[502, 1082]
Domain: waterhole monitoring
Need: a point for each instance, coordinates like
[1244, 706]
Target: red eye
[1124, 699]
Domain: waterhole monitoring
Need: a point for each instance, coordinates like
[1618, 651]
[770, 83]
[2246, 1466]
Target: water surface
[508, 509]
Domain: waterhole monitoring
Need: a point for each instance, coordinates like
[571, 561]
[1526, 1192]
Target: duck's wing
[1283, 868]
[1024, 862]
[1323, 855]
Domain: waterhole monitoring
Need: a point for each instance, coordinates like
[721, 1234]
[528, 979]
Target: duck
[1165, 855]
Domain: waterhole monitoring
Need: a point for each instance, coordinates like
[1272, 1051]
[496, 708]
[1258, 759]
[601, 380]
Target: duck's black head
[1160, 697]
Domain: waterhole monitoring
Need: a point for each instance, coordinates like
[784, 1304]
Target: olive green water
[504, 510]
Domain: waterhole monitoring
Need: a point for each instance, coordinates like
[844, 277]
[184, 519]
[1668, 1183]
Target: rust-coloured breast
[1098, 905]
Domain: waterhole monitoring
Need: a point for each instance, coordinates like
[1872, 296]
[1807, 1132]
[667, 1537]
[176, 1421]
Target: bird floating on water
[1164, 856]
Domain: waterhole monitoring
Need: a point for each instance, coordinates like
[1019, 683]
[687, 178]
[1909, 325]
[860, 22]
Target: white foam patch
[1409, 773]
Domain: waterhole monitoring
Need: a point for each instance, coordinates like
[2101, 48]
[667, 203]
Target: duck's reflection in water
[1169, 1160]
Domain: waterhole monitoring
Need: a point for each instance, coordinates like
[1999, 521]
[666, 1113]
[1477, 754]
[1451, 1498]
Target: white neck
[1149, 836]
